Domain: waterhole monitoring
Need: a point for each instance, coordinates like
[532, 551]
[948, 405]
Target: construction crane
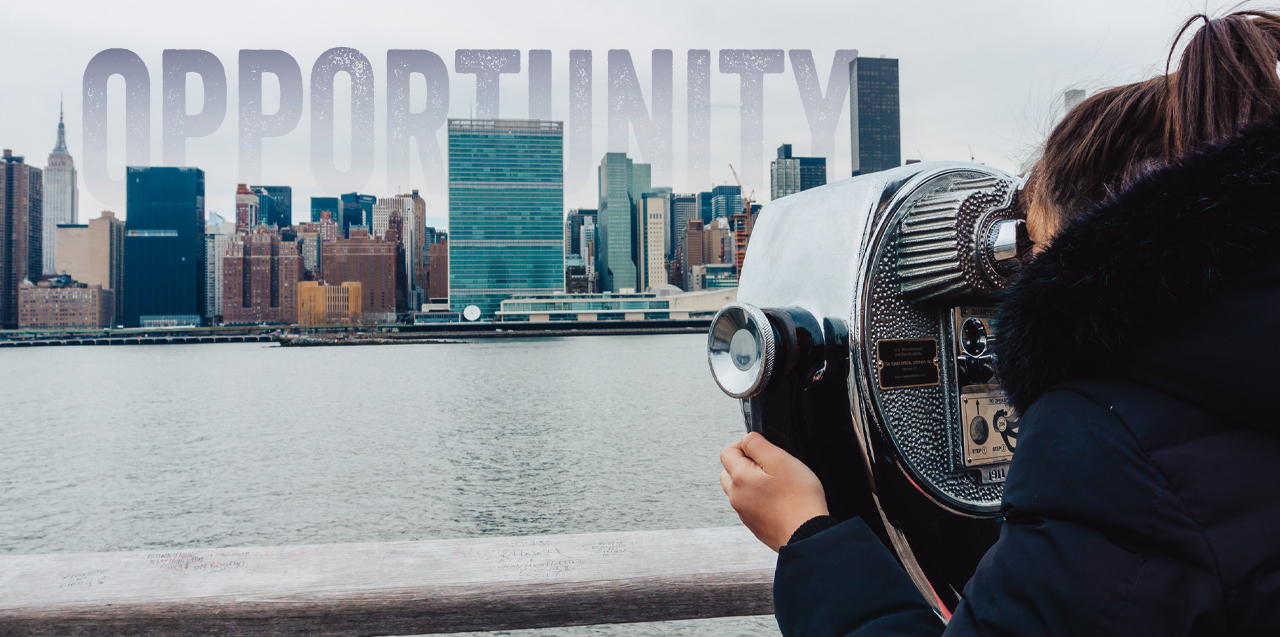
[742, 235]
[747, 200]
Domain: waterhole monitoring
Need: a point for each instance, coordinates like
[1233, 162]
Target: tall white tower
[61, 194]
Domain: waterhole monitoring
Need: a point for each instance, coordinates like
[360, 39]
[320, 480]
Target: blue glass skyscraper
[322, 204]
[357, 210]
[506, 211]
[164, 251]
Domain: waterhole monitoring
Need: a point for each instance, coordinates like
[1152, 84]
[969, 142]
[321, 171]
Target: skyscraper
[874, 120]
[573, 230]
[270, 212]
[164, 246]
[370, 261]
[726, 201]
[21, 236]
[282, 212]
[717, 242]
[357, 210]
[395, 235]
[704, 207]
[260, 278]
[789, 175]
[217, 237]
[246, 209]
[621, 181]
[655, 213]
[61, 196]
[438, 266]
[694, 249]
[415, 242]
[1071, 97]
[506, 210]
[683, 208]
[325, 204]
[579, 242]
[93, 254]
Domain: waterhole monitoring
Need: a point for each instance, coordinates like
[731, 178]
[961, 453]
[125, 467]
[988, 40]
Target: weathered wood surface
[393, 588]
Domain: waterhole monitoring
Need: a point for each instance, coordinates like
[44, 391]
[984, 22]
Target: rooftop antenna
[971, 154]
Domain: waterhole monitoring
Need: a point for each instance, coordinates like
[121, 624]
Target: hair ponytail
[1226, 78]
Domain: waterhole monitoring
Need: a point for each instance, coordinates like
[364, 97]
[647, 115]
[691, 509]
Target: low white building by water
[664, 303]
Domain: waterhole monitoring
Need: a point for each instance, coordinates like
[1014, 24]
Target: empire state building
[61, 195]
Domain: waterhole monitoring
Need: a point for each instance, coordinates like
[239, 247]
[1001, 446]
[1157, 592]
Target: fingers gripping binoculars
[861, 343]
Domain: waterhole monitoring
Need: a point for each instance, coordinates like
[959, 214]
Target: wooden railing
[391, 588]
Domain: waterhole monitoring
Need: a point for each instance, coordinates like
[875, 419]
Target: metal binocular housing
[861, 343]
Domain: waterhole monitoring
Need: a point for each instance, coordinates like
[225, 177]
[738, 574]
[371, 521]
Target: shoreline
[338, 336]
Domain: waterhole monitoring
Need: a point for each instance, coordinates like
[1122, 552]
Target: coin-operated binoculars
[861, 343]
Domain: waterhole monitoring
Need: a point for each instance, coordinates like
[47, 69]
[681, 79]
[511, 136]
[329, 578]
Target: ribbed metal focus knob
[741, 348]
[960, 243]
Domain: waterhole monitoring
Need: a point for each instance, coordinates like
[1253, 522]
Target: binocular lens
[740, 350]
[743, 350]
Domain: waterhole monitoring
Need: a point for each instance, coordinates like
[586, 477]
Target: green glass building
[622, 182]
[506, 211]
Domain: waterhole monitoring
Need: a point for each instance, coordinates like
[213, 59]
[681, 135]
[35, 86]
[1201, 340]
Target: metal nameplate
[989, 429]
[907, 362]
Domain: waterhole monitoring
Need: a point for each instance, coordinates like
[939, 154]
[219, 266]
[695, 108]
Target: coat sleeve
[843, 581]
[1095, 542]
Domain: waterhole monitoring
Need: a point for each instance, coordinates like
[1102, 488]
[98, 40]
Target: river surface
[169, 446]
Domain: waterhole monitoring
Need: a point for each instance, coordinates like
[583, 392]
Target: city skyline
[1002, 116]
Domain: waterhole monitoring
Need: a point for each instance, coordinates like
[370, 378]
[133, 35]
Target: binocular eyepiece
[861, 342]
[742, 348]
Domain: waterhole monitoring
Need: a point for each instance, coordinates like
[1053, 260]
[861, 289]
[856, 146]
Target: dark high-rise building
[21, 232]
[704, 207]
[874, 119]
[268, 209]
[282, 197]
[279, 211]
[357, 210]
[325, 204]
[576, 280]
[789, 175]
[683, 208]
[164, 251]
[573, 230]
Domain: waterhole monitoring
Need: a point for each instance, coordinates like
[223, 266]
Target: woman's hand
[772, 492]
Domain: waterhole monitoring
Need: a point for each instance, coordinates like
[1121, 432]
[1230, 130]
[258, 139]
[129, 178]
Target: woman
[1140, 346]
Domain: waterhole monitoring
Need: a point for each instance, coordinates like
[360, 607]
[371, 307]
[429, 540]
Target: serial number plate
[907, 362]
[993, 475]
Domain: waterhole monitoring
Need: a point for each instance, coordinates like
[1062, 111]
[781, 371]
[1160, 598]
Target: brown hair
[1226, 78]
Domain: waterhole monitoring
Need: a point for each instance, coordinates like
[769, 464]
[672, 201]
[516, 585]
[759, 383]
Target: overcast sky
[980, 78]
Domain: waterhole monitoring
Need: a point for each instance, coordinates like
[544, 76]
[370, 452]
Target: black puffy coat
[1144, 498]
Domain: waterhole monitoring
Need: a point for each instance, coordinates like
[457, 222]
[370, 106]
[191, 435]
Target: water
[148, 447]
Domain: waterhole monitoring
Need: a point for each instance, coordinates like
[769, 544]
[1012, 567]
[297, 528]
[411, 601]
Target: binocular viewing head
[861, 343]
